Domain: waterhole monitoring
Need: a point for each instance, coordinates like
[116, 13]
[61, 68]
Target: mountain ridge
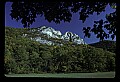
[52, 33]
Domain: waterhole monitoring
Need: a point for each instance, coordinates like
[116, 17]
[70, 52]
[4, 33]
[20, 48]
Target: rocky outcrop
[52, 33]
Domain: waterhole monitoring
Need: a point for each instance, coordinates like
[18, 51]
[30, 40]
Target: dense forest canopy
[23, 55]
[106, 45]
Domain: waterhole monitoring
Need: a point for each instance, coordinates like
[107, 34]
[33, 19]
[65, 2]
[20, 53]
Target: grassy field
[67, 75]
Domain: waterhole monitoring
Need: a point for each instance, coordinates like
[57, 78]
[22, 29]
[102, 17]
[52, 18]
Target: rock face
[49, 32]
[69, 36]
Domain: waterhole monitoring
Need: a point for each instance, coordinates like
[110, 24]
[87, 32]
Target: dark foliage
[23, 55]
[106, 45]
[62, 11]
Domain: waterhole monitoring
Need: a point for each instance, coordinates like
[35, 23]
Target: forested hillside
[106, 45]
[23, 55]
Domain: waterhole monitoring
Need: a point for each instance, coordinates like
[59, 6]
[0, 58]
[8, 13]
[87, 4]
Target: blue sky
[74, 26]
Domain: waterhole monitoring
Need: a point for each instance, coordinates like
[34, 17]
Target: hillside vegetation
[106, 45]
[23, 55]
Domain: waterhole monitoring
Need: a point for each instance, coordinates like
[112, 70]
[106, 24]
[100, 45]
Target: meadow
[67, 75]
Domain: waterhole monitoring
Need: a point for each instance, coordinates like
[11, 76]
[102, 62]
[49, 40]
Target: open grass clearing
[67, 75]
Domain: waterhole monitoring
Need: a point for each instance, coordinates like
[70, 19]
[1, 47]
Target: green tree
[47, 57]
[21, 58]
[110, 61]
[60, 59]
[34, 62]
[9, 62]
